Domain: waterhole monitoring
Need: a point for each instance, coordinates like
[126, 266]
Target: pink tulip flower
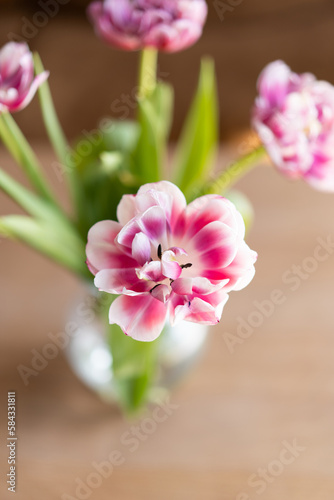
[165, 258]
[167, 25]
[17, 83]
[294, 117]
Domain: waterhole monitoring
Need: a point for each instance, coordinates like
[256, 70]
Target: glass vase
[90, 357]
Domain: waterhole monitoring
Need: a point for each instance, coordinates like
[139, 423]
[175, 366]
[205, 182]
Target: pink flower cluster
[167, 25]
[294, 117]
[166, 258]
[17, 83]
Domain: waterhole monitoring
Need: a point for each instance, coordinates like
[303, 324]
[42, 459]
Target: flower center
[164, 270]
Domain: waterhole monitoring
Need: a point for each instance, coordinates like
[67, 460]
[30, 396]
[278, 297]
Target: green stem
[235, 172]
[55, 133]
[21, 151]
[147, 72]
[52, 125]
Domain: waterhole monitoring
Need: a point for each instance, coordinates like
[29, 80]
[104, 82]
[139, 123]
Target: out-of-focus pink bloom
[17, 83]
[294, 117]
[166, 257]
[167, 25]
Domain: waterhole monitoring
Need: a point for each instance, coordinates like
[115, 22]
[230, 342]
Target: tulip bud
[17, 83]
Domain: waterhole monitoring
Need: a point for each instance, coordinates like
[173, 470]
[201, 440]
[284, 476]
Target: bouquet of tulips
[162, 241]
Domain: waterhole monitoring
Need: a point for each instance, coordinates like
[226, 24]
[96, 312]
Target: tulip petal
[153, 223]
[170, 268]
[116, 281]
[101, 250]
[166, 195]
[141, 248]
[202, 312]
[11, 56]
[199, 310]
[37, 82]
[273, 83]
[128, 232]
[126, 209]
[196, 286]
[142, 317]
[216, 245]
[211, 208]
[161, 292]
[179, 35]
[151, 271]
[239, 272]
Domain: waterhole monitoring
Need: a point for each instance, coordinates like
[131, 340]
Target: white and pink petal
[215, 245]
[198, 310]
[117, 281]
[166, 195]
[141, 248]
[196, 286]
[161, 292]
[154, 224]
[151, 271]
[212, 208]
[101, 250]
[241, 270]
[142, 317]
[126, 209]
[273, 83]
[169, 266]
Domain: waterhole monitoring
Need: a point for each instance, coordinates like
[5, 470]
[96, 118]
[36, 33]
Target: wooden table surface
[236, 415]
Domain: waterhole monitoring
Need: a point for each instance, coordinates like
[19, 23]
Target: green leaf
[199, 139]
[20, 149]
[147, 160]
[154, 116]
[30, 202]
[163, 99]
[134, 367]
[46, 239]
[40, 209]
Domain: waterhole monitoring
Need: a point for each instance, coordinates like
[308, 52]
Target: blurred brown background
[88, 78]
[237, 410]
